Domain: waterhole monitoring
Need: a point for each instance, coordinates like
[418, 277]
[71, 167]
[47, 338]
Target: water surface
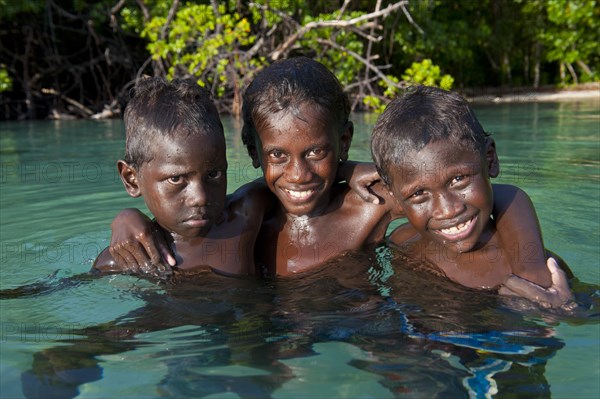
[359, 327]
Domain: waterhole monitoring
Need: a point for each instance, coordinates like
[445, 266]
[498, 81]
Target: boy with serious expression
[437, 163]
[183, 185]
[175, 159]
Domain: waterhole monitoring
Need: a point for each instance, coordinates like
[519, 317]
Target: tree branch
[85, 110]
[164, 30]
[113, 19]
[409, 18]
[144, 9]
[361, 59]
[277, 53]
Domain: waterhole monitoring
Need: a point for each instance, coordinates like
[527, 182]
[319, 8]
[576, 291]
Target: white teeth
[300, 195]
[459, 228]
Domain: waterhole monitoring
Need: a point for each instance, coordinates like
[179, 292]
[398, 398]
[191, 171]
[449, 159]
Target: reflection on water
[399, 333]
[366, 325]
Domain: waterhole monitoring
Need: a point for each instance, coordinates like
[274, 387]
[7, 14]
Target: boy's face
[446, 193]
[185, 184]
[299, 155]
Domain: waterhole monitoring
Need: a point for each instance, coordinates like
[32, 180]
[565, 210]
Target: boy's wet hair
[159, 108]
[418, 117]
[288, 84]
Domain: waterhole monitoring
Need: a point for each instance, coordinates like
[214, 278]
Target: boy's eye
[417, 197]
[276, 155]
[317, 153]
[215, 174]
[457, 179]
[417, 193]
[175, 179]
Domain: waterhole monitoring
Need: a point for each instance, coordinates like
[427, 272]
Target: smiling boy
[437, 162]
[175, 159]
[297, 129]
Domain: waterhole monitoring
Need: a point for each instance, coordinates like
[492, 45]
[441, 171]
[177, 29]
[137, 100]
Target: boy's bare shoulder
[507, 193]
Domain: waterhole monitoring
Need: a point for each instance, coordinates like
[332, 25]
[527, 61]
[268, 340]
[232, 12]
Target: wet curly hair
[286, 85]
[158, 108]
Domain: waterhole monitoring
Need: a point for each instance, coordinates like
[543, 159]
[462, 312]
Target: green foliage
[11, 8]
[419, 73]
[374, 103]
[474, 43]
[378, 104]
[428, 74]
[341, 63]
[570, 31]
[200, 43]
[453, 33]
[5, 80]
[132, 19]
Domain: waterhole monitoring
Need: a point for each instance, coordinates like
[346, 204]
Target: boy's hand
[360, 176]
[138, 246]
[557, 295]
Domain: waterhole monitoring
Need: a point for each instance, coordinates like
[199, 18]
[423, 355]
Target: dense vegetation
[72, 57]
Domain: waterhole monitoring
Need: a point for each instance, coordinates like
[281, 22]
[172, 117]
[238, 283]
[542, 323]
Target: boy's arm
[519, 231]
[137, 246]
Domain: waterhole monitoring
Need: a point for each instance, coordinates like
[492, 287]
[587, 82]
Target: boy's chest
[484, 268]
[296, 245]
[226, 253]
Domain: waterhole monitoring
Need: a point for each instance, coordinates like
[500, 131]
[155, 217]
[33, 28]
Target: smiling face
[446, 193]
[299, 154]
[184, 184]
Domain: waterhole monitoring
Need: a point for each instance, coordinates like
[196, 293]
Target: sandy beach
[589, 91]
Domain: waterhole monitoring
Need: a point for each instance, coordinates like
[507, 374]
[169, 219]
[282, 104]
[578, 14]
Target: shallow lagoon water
[360, 327]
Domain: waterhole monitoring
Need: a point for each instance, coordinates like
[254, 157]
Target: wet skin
[184, 186]
[300, 159]
[447, 196]
[316, 219]
[337, 220]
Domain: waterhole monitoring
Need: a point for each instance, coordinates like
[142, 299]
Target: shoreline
[589, 91]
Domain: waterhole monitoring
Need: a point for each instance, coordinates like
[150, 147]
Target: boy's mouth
[459, 231]
[198, 221]
[299, 195]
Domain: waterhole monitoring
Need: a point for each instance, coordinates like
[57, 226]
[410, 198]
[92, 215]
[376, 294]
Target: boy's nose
[196, 195]
[297, 171]
[447, 206]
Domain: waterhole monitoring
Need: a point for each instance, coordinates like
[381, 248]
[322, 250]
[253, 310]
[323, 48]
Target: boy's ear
[491, 157]
[129, 177]
[346, 140]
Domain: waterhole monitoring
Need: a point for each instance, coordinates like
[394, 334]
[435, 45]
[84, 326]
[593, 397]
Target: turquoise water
[360, 327]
